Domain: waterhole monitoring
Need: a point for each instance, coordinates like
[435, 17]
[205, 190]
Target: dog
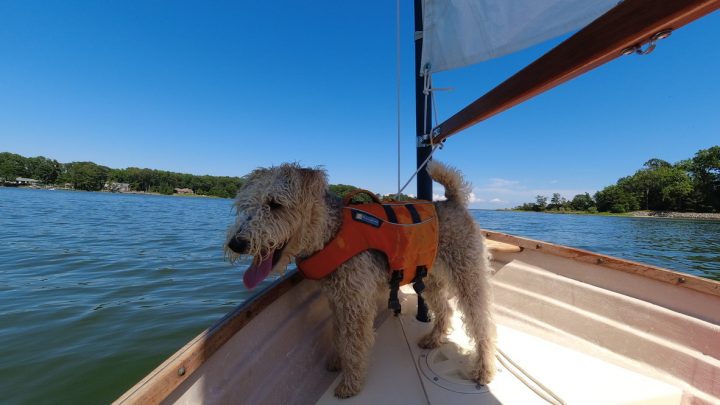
[287, 212]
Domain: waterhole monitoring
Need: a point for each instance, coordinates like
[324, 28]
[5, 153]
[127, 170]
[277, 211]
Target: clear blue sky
[215, 87]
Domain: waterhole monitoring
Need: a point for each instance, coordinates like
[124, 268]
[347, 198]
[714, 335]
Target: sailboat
[573, 326]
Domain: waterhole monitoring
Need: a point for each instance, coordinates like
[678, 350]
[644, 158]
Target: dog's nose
[238, 245]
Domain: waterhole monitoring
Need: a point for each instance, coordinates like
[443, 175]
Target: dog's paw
[333, 363]
[347, 389]
[484, 374]
[430, 341]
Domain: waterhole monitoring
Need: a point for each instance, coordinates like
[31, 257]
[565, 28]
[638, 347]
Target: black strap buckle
[394, 301]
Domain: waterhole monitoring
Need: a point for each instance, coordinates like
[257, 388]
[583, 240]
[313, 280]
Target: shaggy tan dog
[287, 212]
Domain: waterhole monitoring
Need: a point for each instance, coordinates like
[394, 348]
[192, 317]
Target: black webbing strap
[393, 301]
[391, 217]
[413, 213]
[419, 287]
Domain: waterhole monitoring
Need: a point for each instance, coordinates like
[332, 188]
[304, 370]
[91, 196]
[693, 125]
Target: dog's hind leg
[436, 295]
[474, 301]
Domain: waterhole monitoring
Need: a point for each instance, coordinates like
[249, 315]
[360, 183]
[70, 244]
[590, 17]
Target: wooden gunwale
[696, 283]
[630, 23]
[165, 378]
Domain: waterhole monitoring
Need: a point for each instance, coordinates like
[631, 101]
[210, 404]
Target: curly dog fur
[287, 212]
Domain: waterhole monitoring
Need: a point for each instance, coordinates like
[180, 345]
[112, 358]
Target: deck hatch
[447, 367]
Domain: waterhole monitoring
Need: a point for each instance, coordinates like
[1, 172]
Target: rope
[415, 363]
[541, 390]
[434, 148]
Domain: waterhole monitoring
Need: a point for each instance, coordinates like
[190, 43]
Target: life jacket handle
[349, 196]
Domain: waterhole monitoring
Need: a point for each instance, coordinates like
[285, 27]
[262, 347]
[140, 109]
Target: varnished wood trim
[630, 23]
[645, 270]
[157, 385]
[502, 247]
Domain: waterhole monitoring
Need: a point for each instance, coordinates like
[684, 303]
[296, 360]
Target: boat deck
[574, 327]
[531, 370]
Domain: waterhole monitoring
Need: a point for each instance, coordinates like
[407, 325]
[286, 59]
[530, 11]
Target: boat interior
[574, 327]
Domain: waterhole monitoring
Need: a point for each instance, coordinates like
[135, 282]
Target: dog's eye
[273, 204]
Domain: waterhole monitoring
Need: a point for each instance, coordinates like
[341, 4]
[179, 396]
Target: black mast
[423, 113]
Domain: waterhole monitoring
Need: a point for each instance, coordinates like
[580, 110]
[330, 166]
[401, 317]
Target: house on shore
[115, 187]
[184, 191]
[24, 181]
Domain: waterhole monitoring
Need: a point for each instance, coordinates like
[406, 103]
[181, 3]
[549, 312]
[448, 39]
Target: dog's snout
[238, 245]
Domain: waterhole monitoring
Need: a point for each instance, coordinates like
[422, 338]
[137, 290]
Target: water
[688, 246]
[97, 289]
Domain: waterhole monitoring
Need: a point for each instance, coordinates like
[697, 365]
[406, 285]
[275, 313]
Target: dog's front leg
[333, 361]
[350, 291]
[354, 339]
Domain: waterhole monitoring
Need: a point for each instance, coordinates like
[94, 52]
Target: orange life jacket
[406, 231]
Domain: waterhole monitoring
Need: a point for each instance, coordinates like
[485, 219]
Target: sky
[223, 87]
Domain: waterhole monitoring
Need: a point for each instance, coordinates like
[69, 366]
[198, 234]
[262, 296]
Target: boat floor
[531, 369]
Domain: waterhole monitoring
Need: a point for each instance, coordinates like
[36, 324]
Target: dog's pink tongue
[257, 272]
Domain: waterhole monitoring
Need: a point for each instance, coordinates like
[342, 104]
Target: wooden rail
[630, 23]
[700, 284]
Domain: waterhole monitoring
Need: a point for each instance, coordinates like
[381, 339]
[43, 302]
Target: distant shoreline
[676, 215]
[50, 188]
[713, 216]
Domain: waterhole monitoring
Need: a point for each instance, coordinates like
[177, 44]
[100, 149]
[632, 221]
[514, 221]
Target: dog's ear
[314, 181]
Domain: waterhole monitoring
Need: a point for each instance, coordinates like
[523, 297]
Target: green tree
[655, 163]
[343, 189]
[526, 207]
[557, 202]
[43, 169]
[396, 197]
[12, 166]
[87, 175]
[615, 199]
[660, 186]
[582, 202]
[540, 203]
[705, 171]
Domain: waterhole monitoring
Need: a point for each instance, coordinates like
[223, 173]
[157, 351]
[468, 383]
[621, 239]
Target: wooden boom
[631, 23]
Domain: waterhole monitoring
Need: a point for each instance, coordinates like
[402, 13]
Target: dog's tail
[456, 188]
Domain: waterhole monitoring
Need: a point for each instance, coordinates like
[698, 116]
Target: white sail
[458, 33]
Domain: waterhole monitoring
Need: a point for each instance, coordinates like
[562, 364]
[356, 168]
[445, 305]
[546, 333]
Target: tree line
[691, 185]
[90, 176]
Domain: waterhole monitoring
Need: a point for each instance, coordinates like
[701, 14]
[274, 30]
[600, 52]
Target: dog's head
[277, 218]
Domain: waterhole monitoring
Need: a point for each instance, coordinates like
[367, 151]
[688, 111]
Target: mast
[423, 113]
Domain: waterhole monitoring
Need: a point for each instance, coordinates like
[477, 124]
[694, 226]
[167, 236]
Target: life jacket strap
[394, 301]
[419, 287]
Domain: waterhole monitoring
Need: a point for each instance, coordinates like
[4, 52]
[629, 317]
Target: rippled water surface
[96, 289]
[688, 246]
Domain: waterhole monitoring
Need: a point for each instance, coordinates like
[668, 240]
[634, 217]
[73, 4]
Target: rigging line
[397, 86]
[427, 90]
[415, 362]
[434, 148]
